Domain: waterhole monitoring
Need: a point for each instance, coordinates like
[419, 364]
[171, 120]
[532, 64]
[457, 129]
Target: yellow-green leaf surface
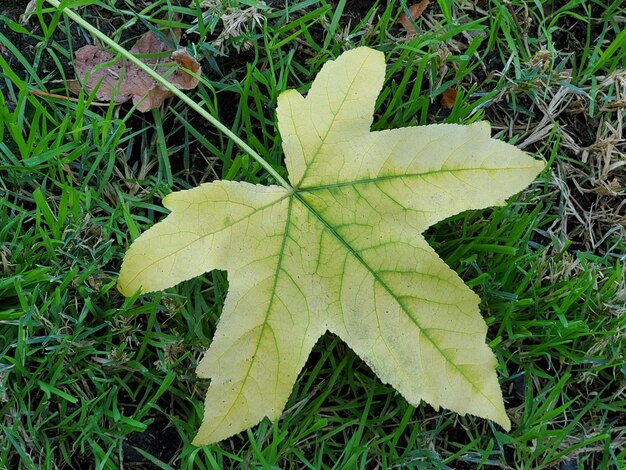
[341, 251]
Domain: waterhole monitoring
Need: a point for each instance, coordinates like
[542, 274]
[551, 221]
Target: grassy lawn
[89, 379]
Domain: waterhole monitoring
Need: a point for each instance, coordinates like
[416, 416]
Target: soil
[160, 439]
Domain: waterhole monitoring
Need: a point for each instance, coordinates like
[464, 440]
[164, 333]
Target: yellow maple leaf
[340, 249]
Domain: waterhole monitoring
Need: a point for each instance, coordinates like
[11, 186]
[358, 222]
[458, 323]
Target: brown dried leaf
[180, 78]
[416, 11]
[448, 97]
[73, 85]
[118, 80]
[155, 97]
[149, 43]
[95, 74]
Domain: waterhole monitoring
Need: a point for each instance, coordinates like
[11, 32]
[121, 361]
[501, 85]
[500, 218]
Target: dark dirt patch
[14, 8]
[355, 11]
[28, 43]
[160, 439]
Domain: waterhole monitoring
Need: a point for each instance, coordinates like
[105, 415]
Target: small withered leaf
[416, 11]
[115, 79]
[448, 97]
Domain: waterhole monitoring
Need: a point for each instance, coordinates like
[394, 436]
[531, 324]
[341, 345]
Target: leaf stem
[195, 106]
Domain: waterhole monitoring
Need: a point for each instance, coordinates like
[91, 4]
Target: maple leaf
[340, 250]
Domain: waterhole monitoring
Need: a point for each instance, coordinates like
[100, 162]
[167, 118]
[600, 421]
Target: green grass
[86, 375]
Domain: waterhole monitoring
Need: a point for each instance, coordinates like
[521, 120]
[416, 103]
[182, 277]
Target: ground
[89, 379]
